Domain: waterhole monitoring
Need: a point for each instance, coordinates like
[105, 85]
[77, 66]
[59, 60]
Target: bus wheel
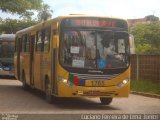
[48, 95]
[105, 101]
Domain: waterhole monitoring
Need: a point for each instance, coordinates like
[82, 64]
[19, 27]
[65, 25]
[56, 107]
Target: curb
[146, 94]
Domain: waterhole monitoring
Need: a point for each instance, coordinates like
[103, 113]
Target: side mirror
[131, 44]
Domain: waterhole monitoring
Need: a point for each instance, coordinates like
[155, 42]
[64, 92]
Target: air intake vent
[95, 77]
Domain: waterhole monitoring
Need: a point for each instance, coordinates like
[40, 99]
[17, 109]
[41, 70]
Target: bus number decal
[97, 83]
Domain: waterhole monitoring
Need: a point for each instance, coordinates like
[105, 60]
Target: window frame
[42, 36]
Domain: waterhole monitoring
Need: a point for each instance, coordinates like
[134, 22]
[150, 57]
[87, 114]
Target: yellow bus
[75, 56]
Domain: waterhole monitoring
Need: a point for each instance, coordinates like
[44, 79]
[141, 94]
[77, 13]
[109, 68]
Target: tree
[21, 7]
[24, 8]
[44, 13]
[147, 38]
[12, 25]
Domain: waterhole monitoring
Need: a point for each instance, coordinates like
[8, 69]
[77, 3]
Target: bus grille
[95, 77]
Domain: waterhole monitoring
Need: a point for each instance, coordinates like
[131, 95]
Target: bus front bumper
[83, 91]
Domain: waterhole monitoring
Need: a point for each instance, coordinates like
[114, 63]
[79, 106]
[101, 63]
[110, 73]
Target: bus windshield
[94, 49]
[7, 48]
[6, 52]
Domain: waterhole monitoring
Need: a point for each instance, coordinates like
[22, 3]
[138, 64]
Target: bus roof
[7, 37]
[59, 18]
[95, 16]
[86, 15]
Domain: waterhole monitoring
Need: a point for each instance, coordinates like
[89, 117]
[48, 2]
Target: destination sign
[94, 22]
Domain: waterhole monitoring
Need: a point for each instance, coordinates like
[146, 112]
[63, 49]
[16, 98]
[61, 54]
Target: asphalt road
[15, 100]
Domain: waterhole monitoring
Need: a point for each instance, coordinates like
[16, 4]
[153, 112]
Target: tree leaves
[44, 13]
[147, 37]
[24, 8]
[12, 25]
[19, 6]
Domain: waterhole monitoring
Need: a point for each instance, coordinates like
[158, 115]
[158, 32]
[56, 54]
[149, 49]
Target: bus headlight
[65, 81]
[60, 78]
[125, 81]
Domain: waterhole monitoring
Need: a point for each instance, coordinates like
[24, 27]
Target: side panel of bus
[37, 70]
[42, 57]
[54, 58]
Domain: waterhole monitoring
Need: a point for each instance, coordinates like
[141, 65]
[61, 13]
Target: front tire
[106, 101]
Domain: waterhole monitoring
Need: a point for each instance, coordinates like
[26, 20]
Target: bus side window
[39, 41]
[16, 41]
[23, 43]
[131, 43]
[47, 39]
[43, 37]
[19, 44]
[27, 42]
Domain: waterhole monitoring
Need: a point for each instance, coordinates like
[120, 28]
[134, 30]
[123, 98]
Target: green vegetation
[21, 7]
[12, 25]
[44, 13]
[145, 86]
[25, 9]
[147, 37]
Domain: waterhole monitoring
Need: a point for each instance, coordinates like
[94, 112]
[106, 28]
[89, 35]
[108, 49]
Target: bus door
[32, 60]
[18, 49]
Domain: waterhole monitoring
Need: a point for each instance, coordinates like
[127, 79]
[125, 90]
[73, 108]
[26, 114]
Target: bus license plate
[97, 83]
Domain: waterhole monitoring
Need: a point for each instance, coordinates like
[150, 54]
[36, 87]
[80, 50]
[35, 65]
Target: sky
[128, 9]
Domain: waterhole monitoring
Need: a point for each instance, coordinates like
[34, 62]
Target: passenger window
[27, 42]
[16, 42]
[43, 40]
[23, 43]
[47, 40]
[19, 44]
[39, 41]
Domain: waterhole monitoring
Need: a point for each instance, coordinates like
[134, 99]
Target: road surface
[13, 99]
